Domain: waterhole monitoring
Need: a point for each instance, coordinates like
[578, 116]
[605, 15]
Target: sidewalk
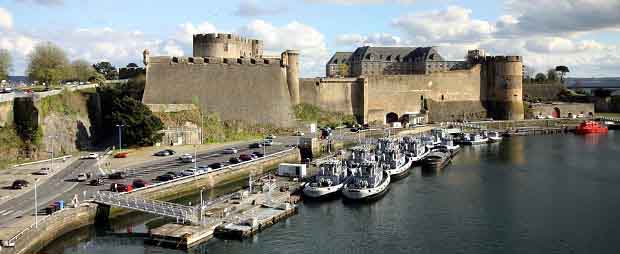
[26, 172]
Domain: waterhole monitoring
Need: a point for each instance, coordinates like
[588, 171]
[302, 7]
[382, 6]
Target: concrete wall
[256, 93]
[543, 92]
[334, 94]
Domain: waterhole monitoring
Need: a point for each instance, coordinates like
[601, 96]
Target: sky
[581, 34]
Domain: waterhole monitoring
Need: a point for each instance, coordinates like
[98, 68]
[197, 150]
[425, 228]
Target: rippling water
[544, 194]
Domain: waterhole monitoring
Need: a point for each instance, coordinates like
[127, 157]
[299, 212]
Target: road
[62, 186]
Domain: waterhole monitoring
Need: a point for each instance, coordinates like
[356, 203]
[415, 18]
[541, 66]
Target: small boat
[448, 144]
[391, 159]
[415, 149]
[328, 181]
[588, 127]
[368, 182]
[437, 160]
[494, 136]
[430, 141]
[611, 125]
[474, 139]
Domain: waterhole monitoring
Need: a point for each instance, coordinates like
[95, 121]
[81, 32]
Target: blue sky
[582, 34]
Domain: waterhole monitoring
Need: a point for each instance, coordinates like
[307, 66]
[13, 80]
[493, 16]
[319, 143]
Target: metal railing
[179, 212]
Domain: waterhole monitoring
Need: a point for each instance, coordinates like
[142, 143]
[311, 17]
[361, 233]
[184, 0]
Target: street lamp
[36, 218]
[120, 136]
[52, 152]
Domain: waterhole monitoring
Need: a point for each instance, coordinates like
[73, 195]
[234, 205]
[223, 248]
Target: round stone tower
[290, 60]
[226, 46]
[509, 88]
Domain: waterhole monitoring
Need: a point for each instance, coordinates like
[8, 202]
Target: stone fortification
[226, 46]
[502, 78]
[254, 90]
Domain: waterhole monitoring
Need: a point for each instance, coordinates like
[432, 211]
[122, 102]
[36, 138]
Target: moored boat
[448, 144]
[391, 159]
[328, 181]
[368, 182]
[474, 139]
[437, 160]
[415, 149]
[494, 136]
[588, 127]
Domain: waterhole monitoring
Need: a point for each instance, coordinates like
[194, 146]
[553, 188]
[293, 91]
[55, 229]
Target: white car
[580, 116]
[267, 142]
[549, 117]
[82, 177]
[187, 158]
[298, 133]
[231, 150]
[191, 172]
[271, 136]
[93, 156]
[539, 117]
[44, 171]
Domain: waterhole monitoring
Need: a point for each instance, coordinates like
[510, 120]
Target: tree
[132, 65]
[141, 126]
[540, 77]
[107, 70]
[6, 64]
[528, 73]
[552, 75]
[562, 70]
[82, 70]
[48, 63]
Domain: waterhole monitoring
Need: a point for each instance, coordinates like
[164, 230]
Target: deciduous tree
[107, 70]
[6, 64]
[48, 63]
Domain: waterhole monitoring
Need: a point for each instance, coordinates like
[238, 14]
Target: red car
[245, 157]
[139, 183]
[118, 187]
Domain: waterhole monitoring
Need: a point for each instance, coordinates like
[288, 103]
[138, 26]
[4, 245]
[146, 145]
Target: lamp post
[202, 206]
[120, 137]
[36, 218]
[52, 153]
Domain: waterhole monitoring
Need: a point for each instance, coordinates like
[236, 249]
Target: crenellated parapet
[226, 45]
[212, 60]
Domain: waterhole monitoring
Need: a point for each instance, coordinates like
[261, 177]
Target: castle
[229, 75]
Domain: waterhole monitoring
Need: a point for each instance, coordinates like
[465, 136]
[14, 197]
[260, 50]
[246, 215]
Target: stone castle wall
[447, 95]
[226, 46]
[251, 90]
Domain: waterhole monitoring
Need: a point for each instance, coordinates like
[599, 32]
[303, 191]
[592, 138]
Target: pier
[237, 216]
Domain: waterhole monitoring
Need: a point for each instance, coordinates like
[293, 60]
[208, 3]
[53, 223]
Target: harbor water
[534, 194]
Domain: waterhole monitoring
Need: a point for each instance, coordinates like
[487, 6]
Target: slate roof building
[367, 61]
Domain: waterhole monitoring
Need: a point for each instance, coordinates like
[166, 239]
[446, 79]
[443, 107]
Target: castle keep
[229, 75]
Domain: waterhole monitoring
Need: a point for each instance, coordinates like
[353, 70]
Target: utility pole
[120, 136]
[52, 153]
[202, 206]
[195, 158]
[36, 214]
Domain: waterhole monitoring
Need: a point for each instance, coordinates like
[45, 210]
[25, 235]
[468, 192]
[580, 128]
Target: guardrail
[41, 161]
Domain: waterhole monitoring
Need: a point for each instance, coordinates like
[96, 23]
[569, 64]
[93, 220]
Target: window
[226, 47]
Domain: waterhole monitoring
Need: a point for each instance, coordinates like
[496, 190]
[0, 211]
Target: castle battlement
[213, 60]
[223, 37]
[503, 58]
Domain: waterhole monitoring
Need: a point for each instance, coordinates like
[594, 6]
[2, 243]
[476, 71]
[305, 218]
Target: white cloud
[452, 24]
[376, 39]
[352, 2]
[294, 35]
[43, 2]
[252, 8]
[187, 30]
[6, 19]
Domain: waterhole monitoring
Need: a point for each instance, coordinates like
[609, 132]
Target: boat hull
[436, 164]
[367, 194]
[321, 192]
[400, 172]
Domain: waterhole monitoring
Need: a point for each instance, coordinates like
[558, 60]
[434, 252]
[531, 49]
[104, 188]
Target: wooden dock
[528, 131]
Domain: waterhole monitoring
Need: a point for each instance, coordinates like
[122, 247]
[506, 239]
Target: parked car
[165, 177]
[81, 177]
[215, 165]
[580, 116]
[96, 182]
[187, 158]
[234, 160]
[258, 154]
[355, 130]
[230, 150]
[298, 133]
[267, 142]
[19, 184]
[204, 168]
[166, 152]
[174, 174]
[245, 157]
[191, 172]
[270, 136]
[256, 145]
[43, 171]
[139, 183]
[117, 175]
[93, 156]
[121, 155]
[118, 187]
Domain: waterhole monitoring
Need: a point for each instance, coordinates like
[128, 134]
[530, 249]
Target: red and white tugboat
[588, 127]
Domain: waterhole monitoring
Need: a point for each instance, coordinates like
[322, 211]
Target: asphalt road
[62, 186]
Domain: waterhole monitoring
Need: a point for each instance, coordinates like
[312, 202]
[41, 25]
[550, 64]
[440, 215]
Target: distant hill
[18, 79]
[613, 82]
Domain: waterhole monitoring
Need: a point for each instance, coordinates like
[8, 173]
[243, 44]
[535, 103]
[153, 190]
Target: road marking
[6, 212]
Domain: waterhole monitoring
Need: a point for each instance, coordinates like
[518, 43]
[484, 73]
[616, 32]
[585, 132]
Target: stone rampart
[251, 90]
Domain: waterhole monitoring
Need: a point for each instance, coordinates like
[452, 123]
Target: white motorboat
[474, 139]
[328, 181]
[368, 182]
[392, 159]
[494, 136]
